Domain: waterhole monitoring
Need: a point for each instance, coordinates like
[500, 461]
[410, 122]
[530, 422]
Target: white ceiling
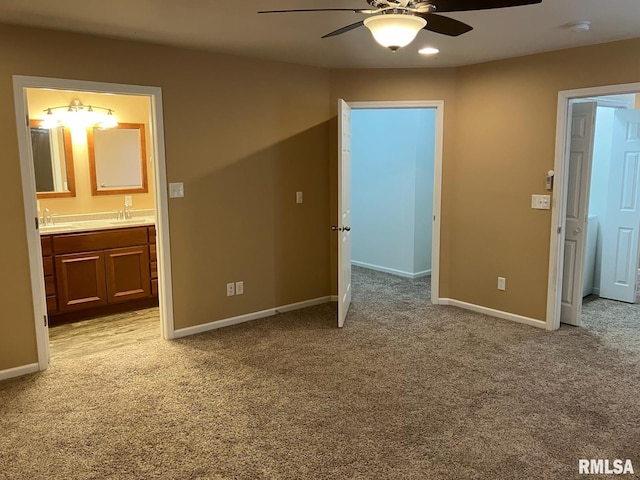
[233, 26]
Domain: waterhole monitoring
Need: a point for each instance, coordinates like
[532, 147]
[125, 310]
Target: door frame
[20, 84]
[559, 199]
[437, 174]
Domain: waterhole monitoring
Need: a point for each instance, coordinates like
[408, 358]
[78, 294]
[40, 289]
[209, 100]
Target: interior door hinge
[45, 320]
[27, 119]
[559, 230]
[37, 223]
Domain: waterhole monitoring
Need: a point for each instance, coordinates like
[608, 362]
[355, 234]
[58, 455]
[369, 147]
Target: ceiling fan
[395, 23]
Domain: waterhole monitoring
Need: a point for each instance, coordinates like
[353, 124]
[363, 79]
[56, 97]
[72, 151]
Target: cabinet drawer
[50, 285]
[47, 246]
[52, 304]
[103, 240]
[47, 263]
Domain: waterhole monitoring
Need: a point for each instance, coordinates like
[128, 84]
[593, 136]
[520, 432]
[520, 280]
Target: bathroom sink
[55, 227]
[128, 221]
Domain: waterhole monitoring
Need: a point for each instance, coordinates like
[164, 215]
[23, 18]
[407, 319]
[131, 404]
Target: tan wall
[128, 109]
[504, 146]
[242, 135]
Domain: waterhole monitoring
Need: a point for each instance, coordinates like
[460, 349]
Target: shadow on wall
[254, 231]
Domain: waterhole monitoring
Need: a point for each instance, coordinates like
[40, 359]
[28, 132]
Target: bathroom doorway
[143, 215]
[597, 188]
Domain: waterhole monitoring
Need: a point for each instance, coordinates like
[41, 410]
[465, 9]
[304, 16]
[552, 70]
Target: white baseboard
[334, 298]
[493, 313]
[205, 327]
[305, 304]
[17, 371]
[393, 271]
[596, 291]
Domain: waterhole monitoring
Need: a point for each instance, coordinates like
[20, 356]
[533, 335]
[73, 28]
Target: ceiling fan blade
[444, 25]
[354, 10]
[465, 5]
[344, 29]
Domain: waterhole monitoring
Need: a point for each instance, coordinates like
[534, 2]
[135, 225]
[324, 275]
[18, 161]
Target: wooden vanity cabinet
[49, 274]
[93, 271]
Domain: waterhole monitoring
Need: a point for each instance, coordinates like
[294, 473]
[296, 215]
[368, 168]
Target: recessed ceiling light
[428, 51]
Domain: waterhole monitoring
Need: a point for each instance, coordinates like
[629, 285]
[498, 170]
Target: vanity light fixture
[76, 113]
[394, 30]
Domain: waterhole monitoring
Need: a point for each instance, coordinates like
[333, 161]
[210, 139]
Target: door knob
[335, 228]
[347, 229]
[577, 230]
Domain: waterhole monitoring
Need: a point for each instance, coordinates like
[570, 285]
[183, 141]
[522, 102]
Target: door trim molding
[20, 84]
[559, 198]
[437, 176]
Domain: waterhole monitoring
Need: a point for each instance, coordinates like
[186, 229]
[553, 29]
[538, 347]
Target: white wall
[392, 153]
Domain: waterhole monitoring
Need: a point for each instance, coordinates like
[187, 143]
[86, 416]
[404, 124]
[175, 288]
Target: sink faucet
[46, 218]
[126, 211]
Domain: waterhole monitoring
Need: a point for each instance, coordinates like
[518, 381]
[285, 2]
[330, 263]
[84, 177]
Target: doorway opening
[98, 234]
[394, 192]
[596, 259]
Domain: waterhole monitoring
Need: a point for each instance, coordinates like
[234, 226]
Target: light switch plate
[176, 190]
[541, 202]
[298, 197]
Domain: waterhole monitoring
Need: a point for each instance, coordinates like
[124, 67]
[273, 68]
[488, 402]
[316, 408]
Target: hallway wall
[392, 189]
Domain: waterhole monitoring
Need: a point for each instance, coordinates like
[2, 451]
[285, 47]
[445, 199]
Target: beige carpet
[406, 390]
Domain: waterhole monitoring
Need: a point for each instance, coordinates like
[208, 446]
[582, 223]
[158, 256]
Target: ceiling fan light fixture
[394, 30]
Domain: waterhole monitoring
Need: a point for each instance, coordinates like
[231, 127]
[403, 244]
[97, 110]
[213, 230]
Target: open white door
[620, 232]
[344, 210]
[583, 117]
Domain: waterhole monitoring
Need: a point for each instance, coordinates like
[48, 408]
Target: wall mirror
[117, 159]
[52, 161]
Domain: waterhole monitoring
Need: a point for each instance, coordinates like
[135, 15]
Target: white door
[583, 117]
[620, 232]
[344, 210]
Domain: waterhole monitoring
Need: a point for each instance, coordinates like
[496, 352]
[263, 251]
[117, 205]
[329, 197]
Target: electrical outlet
[239, 288]
[502, 283]
[128, 201]
[231, 289]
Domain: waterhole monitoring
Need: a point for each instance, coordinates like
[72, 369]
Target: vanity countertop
[93, 225]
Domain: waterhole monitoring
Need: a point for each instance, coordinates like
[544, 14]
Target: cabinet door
[81, 282]
[127, 273]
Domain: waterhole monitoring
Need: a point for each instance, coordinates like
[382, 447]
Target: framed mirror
[117, 159]
[52, 161]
